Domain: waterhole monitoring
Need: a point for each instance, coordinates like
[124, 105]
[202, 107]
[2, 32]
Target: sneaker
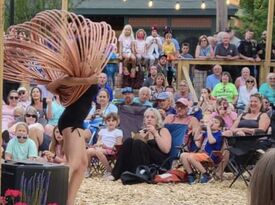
[191, 179]
[205, 178]
[108, 176]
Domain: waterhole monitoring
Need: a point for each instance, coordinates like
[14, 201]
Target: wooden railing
[183, 67]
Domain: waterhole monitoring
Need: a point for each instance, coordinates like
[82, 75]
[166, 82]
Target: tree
[253, 14]
[24, 10]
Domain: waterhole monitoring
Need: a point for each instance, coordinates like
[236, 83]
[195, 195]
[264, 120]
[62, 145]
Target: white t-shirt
[109, 137]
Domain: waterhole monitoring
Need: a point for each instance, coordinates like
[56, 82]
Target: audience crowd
[228, 105]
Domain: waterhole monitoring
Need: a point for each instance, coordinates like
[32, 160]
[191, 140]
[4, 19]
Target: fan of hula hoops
[55, 44]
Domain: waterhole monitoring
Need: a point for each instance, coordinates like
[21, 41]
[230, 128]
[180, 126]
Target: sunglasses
[24, 137]
[250, 81]
[21, 93]
[29, 115]
[13, 97]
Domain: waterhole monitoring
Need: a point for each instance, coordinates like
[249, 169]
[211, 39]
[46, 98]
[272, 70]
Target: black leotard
[74, 115]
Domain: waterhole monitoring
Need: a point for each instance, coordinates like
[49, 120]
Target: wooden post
[221, 15]
[65, 5]
[2, 13]
[268, 45]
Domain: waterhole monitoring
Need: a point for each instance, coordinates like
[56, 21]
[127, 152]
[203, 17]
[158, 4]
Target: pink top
[228, 118]
[7, 116]
[140, 46]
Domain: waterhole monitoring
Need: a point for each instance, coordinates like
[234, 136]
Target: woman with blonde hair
[262, 183]
[158, 87]
[152, 147]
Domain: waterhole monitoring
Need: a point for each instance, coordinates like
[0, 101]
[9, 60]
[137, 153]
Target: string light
[227, 2]
[124, 0]
[150, 3]
[177, 6]
[203, 5]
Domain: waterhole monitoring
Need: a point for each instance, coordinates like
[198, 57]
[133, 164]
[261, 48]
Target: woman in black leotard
[71, 126]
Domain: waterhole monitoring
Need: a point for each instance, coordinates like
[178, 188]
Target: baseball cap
[163, 96]
[183, 101]
[127, 90]
[162, 55]
[154, 28]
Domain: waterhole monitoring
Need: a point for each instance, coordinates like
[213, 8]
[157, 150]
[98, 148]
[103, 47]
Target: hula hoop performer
[66, 52]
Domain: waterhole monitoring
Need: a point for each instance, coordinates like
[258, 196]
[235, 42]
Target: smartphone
[97, 106]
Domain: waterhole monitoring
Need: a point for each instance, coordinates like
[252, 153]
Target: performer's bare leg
[75, 151]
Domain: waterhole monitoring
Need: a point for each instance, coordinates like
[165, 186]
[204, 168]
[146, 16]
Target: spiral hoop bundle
[54, 44]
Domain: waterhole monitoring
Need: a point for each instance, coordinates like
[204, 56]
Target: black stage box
[40, 183]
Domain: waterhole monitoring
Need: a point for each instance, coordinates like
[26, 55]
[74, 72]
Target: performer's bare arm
[71, 81]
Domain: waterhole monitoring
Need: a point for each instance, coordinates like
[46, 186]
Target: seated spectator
[126, 50]
[7, 110]
[254, 121]
[128, 97]
[164, 105]
[144, 95]
[226, 111]
[102, 83]
[153, 45]
[206, 101]
[185, 51]
[39, 104]
[140, 48]
[267, 108]
[183, 92]
[245, 92]
[23, 94]
[158, 87]
[170, 89]
[182, 117]
[168, 47]
[211, 141]
[226, 89]
[36, 130]
[149, 81]
[245, 74]
[261, 187]
[102, 107]
[168, 29]
[262, 45]
[108, 138]
[56, 153]
[268, 89]
[54, 111]
[203, 51]
[21, 147]
[215, 78]
[135, 152]
[162, 66]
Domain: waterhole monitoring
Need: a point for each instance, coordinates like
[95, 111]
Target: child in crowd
[168, 47]
[185, 51]
[126, 44]
[21, 147]
[56, 150]
[108, 138]
[211, 141]
[140, 47]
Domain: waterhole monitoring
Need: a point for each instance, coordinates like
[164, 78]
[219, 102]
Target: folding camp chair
[131, 119]
[178, 132]
[243, 151]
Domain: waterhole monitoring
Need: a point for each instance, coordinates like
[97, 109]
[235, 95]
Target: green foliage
[253, 14]
[24, 10]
